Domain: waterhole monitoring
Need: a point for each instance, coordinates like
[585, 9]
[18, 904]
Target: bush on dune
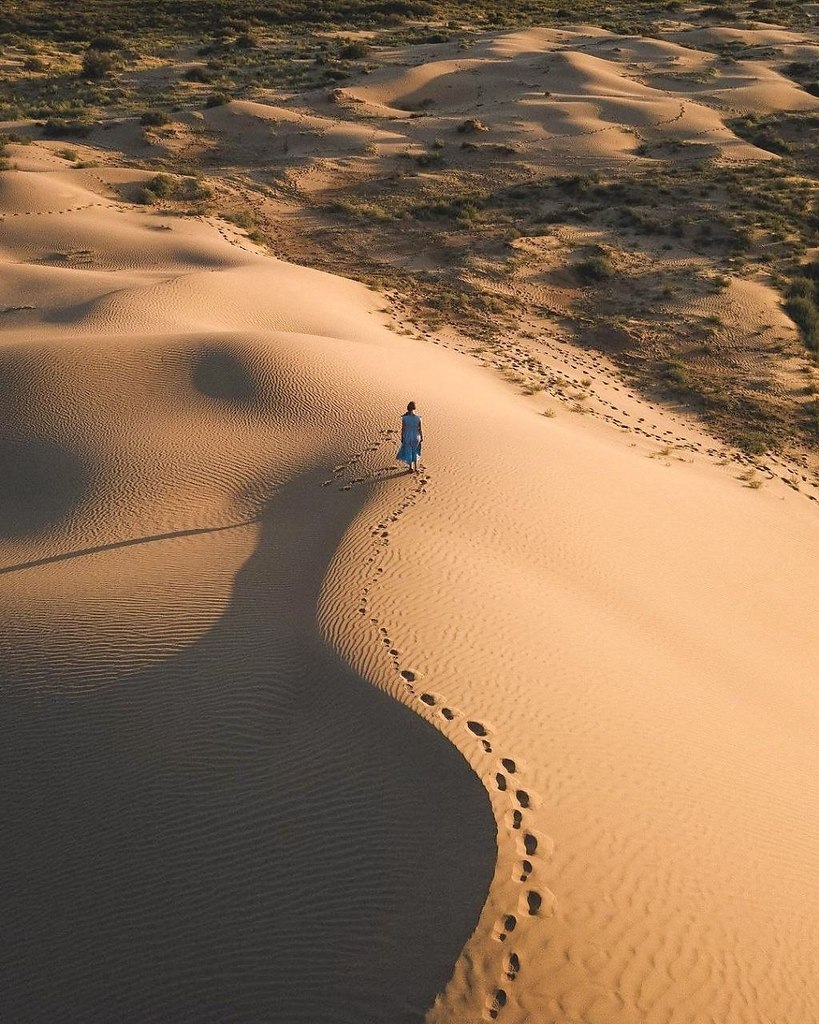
[802, 304]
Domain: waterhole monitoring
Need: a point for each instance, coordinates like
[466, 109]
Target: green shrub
[57, 128]
[805, 315]
[354, 50]
[244, 219]
[218, 99]
[191, 189]
[675, 375]
[802, 288]
[154, 118]
[596, 268]
[106, 43]
[96, 65]
[198, 74]
[162, 186]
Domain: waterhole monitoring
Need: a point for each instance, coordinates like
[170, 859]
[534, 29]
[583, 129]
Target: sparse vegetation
[56, 128]
[462, 195]
[96, 65]
[594, 269]
[163, 186]
[153, 118]
[802, 304]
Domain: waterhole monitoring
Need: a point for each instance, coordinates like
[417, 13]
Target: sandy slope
[206, 814]
[230, 625]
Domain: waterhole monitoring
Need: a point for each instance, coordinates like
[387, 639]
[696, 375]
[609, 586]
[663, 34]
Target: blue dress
[410, 450]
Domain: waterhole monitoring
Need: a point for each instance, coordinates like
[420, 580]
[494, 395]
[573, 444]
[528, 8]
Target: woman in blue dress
[411, 438]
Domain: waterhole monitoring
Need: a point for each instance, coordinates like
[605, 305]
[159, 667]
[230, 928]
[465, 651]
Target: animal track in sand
[429, 703]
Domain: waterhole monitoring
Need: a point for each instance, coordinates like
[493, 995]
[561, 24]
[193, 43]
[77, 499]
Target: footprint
[507, 925]
[522, 797]
[509, 765]
[513, 966]
[409, 676]
[448, 713]
[500, 781]
[530, 844]
[517, 819]
[427, 698]
[526, 865]
[534, 900]
[497, 1004]
[487, 746]
[476, 728]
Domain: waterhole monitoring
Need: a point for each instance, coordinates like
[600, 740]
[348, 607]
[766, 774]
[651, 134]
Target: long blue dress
[410, 450]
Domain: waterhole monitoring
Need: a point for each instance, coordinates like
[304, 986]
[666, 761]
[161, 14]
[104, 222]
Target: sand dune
[189, 856]
[292, 736]
[536, 88]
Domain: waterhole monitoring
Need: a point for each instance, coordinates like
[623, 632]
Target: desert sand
[293, 735]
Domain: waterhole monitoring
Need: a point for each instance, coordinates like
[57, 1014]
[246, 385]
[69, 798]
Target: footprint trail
[500, 775]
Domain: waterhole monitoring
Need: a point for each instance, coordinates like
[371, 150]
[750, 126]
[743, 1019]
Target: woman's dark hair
[411, 407]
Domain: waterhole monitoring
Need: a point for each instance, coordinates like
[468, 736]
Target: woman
[411, 439]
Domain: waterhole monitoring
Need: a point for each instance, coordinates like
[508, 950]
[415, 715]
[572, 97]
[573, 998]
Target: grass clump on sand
[163, 186]
[802, 304]
[58, 128]
[594, 269]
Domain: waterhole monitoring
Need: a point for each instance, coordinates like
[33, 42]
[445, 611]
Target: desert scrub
[57, 128]
[761, 133]
[153, 118]
[594, 269]
[96, 65]
[163, 186]
[244, 219]
[802, 304]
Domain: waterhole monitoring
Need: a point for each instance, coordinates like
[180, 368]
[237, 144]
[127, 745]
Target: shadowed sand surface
[247, 831]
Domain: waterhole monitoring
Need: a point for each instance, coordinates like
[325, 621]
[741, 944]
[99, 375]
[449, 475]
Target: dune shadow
[41, 483]
[247, 831]
[219, 373]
